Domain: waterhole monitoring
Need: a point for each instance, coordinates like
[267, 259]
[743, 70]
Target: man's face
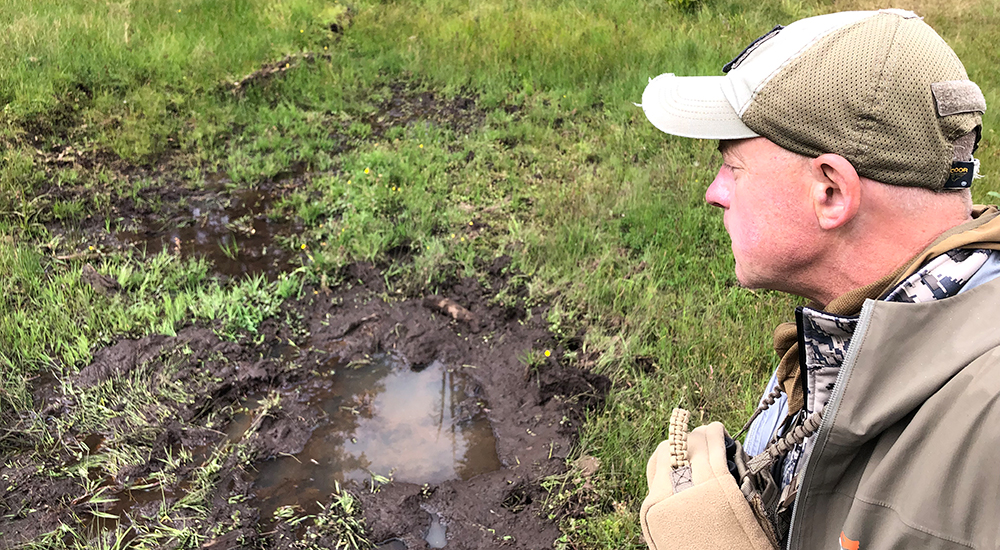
[764, 192]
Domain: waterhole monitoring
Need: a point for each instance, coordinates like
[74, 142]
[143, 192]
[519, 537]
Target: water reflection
[235, 235]
[383, 418]
[437, 534]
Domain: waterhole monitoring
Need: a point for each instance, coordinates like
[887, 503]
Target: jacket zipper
[830, 412]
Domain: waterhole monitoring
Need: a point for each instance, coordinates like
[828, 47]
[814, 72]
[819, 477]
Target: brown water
[378, 418]
[234, 234]
[384, 419]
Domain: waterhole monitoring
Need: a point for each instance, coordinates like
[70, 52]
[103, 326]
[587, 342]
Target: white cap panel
[693, 107]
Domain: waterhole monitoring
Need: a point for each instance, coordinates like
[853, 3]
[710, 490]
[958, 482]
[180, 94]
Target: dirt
[151, 206]
[534, 411]
[534, 415]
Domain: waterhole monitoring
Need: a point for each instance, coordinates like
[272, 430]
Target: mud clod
[454, 310]
[102, 284]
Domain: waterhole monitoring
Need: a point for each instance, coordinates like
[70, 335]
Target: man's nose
[717, 194]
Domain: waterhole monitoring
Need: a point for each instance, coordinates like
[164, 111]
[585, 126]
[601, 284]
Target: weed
[230, 247]
[533, 360]
[339, 523]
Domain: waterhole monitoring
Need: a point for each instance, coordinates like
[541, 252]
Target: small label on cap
[960, 176]
[749, 49]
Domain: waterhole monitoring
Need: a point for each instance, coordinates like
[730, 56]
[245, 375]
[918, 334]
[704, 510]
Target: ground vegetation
[486, 153]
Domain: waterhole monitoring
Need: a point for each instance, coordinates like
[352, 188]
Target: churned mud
[432, 421]
[233, 232]
[441, 414]
[156, 208]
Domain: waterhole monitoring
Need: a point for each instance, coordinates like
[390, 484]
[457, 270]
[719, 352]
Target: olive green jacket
[908, 454]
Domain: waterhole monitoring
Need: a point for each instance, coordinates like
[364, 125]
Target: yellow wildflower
[548, 353]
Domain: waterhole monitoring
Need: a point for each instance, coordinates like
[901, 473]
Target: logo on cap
[961, 174]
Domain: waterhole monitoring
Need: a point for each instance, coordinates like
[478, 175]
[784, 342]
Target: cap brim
[693, 107]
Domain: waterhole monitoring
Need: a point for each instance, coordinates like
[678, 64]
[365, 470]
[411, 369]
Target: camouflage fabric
[942, 277]
[824, 341]
[825, 337]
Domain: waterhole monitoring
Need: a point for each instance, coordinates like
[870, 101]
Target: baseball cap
[879, 88]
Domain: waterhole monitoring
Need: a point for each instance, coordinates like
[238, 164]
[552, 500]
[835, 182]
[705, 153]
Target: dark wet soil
[532, 417]
[235, 227]
[232, 231]
[407, 104]
[273, 396]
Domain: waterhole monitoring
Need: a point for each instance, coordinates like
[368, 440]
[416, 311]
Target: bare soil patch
[175, 404]
[533, 413]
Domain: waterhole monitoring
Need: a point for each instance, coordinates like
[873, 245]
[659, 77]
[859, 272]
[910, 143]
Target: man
[846, 144]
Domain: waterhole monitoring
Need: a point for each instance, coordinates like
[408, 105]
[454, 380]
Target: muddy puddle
[232, 231]
[460, 444]
[379, 421]
[438, 411]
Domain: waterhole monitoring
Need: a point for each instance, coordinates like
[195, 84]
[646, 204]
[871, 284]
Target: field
[215, 214]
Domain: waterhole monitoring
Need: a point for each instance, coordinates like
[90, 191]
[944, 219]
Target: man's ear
[836, 191]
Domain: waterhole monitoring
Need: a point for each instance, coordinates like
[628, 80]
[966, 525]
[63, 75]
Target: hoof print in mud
[517, 499]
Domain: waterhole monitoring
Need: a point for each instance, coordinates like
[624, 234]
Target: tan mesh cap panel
[864, 93]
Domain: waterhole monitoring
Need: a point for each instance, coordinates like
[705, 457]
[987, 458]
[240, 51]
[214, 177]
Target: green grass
[602, 216]
[51, 319]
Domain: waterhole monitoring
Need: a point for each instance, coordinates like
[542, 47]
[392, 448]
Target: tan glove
[697, 506]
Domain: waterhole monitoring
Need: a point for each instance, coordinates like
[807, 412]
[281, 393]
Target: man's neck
[858, 262]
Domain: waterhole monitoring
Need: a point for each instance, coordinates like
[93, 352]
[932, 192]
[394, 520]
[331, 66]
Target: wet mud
[420, 406]
[232, 231]
[432, 422]
[408, 105]
[208, 216]
[380, 418]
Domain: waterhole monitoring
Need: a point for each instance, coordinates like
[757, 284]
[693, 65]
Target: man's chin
[750, 282]
[743, 279]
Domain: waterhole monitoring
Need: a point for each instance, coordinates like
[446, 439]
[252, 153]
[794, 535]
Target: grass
[548, 162]
[53, 319]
